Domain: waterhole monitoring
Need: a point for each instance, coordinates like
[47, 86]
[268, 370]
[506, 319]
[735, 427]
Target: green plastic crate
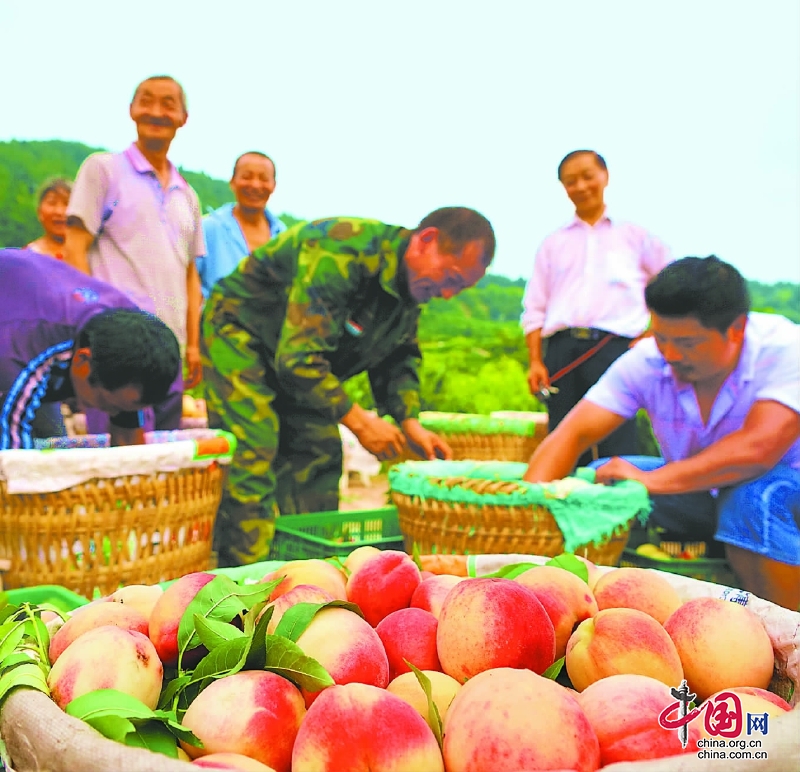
[335, 534]
[63, 599]
[714, 570]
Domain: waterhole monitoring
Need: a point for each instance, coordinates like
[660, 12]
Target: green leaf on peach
[177, 729]
[251, 618]
[256, 656]
[153, 736]
[172, 689]
[221, 599]
[24, 674]
[228, 658]
[112, 727]
[10, 636]
[297, 618]
[107, 702]
[570, 563]
[512, 571]
[434, 719]
[7, 610]
[553, 671]
[287, 659]
[213, 633]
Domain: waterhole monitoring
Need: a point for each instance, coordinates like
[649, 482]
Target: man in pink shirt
[584, 303]
[135, 223]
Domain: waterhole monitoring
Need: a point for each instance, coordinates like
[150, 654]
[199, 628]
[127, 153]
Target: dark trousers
[562, 349]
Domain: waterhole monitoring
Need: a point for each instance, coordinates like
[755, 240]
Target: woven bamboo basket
[437, 526]
[103, 533]
[504, 437]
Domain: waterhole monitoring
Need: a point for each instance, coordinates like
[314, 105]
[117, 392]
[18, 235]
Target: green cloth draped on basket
[473, 423]
[584, 512]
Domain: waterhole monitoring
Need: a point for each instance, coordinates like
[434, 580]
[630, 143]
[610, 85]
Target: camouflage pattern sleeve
[317, 309]
[395, 382]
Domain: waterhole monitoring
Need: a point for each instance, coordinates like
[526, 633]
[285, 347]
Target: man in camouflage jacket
[318, 304]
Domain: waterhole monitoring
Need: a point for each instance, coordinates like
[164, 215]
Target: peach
[409, 634]
[142, 597]
[254, 713]
[721, 645]
[318, 573]
[108, 657]
[638, 588]
[490, 623]
[751, 704]
[623, 711]
[168, 610]
[382, 584]
[765, 694]
[505, 720]
[443, 690]
[347, 647]
[235, 761]
[303, 593]
[92, 617]
[566, 598]
[358, 557]
[621, 641]
[431, 592]
[362, 727]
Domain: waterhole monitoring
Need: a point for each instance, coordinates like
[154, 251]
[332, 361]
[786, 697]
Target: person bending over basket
[722, 388]
[316, 305]
[65, 336]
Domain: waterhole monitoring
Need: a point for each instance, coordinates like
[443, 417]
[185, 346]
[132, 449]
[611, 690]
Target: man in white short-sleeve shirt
[135, 223]
[722, 388]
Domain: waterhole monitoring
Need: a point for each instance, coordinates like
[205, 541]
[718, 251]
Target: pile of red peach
[483, 643]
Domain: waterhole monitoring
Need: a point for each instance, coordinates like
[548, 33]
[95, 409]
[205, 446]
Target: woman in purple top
[65, 336]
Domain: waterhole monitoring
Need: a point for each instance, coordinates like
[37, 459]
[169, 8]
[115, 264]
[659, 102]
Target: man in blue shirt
[65, 336]
[234, 230]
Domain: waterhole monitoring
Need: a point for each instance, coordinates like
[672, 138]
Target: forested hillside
[474, 353]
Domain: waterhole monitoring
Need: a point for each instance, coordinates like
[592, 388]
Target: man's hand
[193, 366]
[619, 469]
[379, 437]
[120, 436]
[431, 446]
[538, 377]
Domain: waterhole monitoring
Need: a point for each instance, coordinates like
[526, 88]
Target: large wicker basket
[497, 437]
[102, 533]
[434, 524]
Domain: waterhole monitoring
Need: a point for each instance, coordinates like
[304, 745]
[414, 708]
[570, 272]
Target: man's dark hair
[131, 348]
[706, 288]
[261, 155]
[54, 185]
[459, 225]
[601, 162]
[163, 77]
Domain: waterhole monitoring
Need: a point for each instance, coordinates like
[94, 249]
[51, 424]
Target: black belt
[584, 333]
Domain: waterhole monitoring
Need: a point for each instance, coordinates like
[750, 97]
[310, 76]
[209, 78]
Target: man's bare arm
[76, 244]
[585, 425]
[120, 436]
[769, 430]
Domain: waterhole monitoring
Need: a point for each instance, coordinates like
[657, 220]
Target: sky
[388, 109]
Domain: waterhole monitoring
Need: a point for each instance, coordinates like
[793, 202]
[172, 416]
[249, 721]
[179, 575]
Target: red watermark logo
[723, 716]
